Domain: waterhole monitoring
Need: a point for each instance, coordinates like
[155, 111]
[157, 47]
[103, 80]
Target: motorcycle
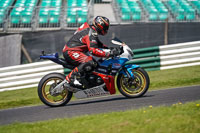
[111, 74]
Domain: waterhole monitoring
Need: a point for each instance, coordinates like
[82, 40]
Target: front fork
[126, 71]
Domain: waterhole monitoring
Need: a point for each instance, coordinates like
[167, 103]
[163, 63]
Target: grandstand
[76, 12]
[22, 13]
[4, 4]
[48, 17]
[34, 15]
[158, 10]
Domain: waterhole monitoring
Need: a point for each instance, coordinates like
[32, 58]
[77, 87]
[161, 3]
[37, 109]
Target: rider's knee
[88, 66]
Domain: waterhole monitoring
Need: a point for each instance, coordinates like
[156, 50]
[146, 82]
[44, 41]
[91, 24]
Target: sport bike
[109, 75]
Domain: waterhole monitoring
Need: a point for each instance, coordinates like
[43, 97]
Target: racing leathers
[84, 40]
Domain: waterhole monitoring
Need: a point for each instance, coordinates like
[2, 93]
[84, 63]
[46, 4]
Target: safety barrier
[167, 57]
[26, 76]
[153, 58]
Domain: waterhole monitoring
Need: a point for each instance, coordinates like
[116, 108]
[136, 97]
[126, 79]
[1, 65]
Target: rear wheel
[52, 97]
[136, 87]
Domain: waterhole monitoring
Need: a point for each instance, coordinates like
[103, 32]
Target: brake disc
[54, 92]
[133, 84]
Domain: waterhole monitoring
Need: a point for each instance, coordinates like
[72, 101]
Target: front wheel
[48, 95]
[136, 87]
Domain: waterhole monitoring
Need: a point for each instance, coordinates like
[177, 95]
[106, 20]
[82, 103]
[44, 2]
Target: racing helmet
[101, 25]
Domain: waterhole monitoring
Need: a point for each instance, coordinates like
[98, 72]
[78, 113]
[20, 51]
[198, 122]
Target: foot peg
[67, 86]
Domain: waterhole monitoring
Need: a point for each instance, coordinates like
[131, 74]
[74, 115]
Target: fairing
[116, 63]
[109, 81]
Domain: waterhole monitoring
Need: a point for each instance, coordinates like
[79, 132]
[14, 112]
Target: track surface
[100, 105]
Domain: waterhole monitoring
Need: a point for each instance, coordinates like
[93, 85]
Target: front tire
[136, 87]
[46, 84]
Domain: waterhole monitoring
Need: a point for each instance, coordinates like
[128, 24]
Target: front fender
[129, 68]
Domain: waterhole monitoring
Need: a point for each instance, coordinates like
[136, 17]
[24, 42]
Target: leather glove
[115, 52]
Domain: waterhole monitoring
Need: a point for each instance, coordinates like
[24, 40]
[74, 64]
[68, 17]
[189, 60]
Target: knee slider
[89, 66]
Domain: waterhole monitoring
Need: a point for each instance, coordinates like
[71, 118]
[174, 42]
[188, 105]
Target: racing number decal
[75, 55]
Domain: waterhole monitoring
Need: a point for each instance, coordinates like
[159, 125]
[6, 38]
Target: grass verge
[178, 118]
[159, 80]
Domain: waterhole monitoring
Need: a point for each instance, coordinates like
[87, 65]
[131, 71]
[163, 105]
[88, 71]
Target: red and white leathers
[84, 40]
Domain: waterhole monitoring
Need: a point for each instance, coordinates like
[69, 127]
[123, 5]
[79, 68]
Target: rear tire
[48, 82]
[134, 88]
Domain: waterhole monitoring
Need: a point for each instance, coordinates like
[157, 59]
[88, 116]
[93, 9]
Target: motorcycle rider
[84, 40]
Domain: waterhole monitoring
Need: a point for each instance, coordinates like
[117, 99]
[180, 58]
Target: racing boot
[71, 87]
[74, 82]
[73, 79]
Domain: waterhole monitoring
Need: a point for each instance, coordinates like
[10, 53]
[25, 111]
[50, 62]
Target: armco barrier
[167, 57]
[26, 76]
[153, 58]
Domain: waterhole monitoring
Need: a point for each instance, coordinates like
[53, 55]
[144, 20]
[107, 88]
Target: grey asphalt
[100, 105]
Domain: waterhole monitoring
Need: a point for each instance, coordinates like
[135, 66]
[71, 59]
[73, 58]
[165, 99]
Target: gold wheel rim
[140, 83]
[46, 91]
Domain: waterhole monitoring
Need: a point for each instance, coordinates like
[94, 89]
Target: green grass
[159, 80]
[172, 78]
[178, 118]
[18, 98]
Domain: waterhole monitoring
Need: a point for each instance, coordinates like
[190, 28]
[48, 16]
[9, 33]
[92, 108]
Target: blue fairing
[132, 66]
[50, 56]
[116, 63]
[53, 57]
